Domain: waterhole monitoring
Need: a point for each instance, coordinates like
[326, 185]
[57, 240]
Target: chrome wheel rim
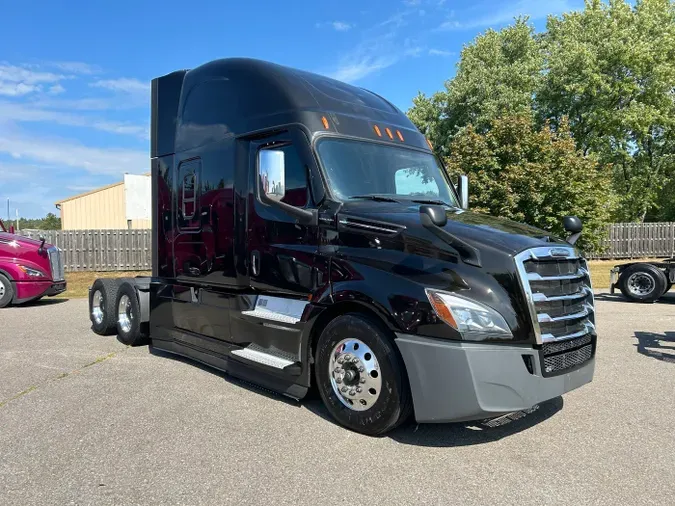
[97, 307]
[641, 284]
[355, 374]
[124, 313]
[2, 290]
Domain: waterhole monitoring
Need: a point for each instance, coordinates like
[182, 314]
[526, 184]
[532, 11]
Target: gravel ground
[84, 420]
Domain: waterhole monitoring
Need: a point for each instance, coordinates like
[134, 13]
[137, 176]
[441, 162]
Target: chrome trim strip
[368, 227]
[533, 276]
[545, 318]
[550, 338]
[540, 297]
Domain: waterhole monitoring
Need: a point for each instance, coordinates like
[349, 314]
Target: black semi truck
[305, 235]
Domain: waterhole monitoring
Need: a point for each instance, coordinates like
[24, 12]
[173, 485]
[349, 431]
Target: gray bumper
[458, 381]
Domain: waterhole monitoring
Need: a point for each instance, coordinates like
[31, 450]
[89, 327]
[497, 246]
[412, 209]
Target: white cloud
[535, 9]
[16, 81]
[359, 68]
[412, 2]
[441, 52]
[66, 153]
[27, 113]
[56, 89]
[341, 26]
[17, 89]
[15, 74]
[75, 67]
[124, 84]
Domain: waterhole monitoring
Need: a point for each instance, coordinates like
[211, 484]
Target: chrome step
[254, 354]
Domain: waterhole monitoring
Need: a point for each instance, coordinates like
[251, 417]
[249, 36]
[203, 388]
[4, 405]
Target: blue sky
[74, 76]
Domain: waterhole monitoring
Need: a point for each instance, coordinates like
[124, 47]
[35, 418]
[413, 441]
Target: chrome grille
[558, 290]
[56, 264]
[563, 361]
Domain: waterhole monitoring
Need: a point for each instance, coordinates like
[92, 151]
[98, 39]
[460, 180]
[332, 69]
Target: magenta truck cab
[29, 269]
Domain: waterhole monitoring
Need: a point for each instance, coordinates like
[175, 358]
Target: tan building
[123, 205]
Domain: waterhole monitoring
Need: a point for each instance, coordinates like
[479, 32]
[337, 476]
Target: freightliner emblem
[560, 252]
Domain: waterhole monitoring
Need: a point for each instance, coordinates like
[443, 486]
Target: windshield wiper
[376, 198]
[433, 201]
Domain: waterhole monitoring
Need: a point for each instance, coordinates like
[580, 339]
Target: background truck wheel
[642, 283]
[6, 291]
[102, 314]
[360, 376]
[130, 330]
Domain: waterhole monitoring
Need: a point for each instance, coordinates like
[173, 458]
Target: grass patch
[20, 394]
[600, 269]
[79, 282]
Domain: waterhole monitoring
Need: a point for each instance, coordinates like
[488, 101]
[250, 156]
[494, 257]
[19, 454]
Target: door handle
[255, 263]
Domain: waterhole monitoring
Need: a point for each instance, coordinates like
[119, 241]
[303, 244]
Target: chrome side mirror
[272, 173]
[463, 190]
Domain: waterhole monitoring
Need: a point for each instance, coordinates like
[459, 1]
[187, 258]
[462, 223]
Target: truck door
[203, 244]
[283, 265]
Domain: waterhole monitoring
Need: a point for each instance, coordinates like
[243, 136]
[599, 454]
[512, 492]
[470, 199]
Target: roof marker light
[325, 122]
[391, 136]
[400, 135]
[377, 130]
[429, 143]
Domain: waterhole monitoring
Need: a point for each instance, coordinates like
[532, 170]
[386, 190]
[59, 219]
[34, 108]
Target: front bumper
[613, 279]
[459, 381]
[29, 290]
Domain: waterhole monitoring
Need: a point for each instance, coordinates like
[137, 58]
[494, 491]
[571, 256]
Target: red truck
[29, 269]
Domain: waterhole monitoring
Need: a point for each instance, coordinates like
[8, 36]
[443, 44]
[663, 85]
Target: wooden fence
[638, 240]
[100, 250]
[130, 250]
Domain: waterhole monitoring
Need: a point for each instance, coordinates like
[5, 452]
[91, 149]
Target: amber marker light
[377, 130]
[325, 122]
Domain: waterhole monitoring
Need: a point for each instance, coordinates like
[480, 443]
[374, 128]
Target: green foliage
[49, 222]
[532, 175]
[611, 70]
[607, 70]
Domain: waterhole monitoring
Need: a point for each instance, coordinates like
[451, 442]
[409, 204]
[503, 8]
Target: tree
[611, 70]
[608, 70]
[533, 175]
[497, 74]
[50, 222]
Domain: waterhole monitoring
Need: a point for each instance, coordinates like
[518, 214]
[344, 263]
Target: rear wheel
[102, 314]
[6, 291]
[130, 330]
[642, 283]
[360, 376]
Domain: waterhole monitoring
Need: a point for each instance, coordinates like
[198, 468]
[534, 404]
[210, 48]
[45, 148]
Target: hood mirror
[11, 229]
[41, 249]
[573, 225]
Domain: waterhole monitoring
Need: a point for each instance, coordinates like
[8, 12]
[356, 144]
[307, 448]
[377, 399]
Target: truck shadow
[40, 303]
[478, 432]
[651, 344]
[436, 435]
[668, 298]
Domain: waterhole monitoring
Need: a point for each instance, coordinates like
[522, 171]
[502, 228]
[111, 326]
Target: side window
[416, 182]
[188, 195]
[283, 175]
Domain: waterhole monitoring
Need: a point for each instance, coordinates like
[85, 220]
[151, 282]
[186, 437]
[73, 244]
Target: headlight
[474, 321]
[34, 273]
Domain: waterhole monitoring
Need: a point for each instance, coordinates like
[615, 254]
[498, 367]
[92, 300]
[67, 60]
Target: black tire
[108, 289]
[394, 403]
[651, 279]
[668, 287]
[7, 291]
[136, 333]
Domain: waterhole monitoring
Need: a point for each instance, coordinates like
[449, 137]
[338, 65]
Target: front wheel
[6, 291]
[361, 377]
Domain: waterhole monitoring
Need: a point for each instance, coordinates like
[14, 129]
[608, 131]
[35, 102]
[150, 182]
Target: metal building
[123, 205]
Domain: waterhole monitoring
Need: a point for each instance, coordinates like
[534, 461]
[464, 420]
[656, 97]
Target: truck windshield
[358, 169]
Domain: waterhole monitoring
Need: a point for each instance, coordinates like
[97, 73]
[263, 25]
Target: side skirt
[224, 363]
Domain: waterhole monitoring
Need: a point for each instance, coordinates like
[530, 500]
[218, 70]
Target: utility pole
[8, 216]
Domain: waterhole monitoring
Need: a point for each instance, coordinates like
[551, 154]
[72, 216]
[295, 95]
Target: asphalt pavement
[87, 420]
